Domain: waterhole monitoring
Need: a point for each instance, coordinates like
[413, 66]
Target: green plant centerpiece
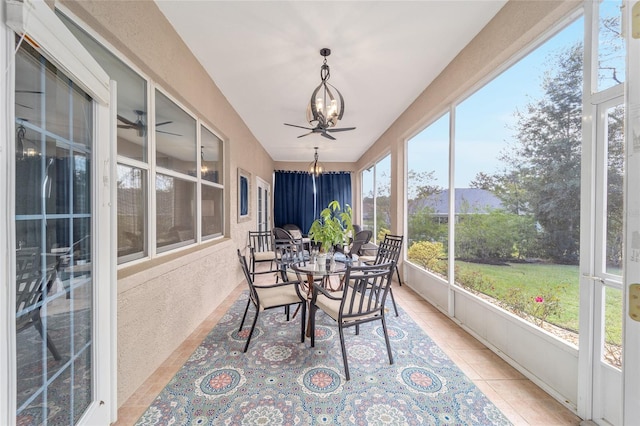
[333, 228]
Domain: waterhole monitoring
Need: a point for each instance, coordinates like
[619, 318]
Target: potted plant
[333, 227]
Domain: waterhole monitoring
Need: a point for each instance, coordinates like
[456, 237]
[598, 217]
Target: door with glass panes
[60, 356]
[608, 263]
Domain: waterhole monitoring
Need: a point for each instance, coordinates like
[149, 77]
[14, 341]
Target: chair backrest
[289, 252]
[31, 284]
[282, 234]
[253, 294]
[260, 241]
[389, 249]
[366, 292]
[361, 238]
[294, 230]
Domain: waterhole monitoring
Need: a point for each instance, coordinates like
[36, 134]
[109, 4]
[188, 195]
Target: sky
[485, 121]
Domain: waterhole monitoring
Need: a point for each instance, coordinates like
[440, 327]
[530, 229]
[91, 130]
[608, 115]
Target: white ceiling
[264, 56]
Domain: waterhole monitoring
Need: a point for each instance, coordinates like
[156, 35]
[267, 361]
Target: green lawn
[537, 279]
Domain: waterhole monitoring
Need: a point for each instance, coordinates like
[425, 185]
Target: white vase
[321, 261]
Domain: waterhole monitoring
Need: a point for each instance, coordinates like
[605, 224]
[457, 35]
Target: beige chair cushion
[331, 307]
[366, 259]
[295, 234]
[276, 296]
[264, 255]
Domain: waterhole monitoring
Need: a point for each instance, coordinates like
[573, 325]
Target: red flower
[539, 299]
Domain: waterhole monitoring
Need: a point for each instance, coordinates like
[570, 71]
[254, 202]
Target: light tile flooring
[519, 399]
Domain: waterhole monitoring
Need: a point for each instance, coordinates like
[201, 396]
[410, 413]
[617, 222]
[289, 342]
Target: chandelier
[325, 107]
[315, 167]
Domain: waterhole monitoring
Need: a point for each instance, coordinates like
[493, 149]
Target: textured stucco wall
[160, 302]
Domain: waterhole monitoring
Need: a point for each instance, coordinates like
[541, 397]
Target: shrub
[426, 254]
[537, 308]
[381, 233]
[474, 280]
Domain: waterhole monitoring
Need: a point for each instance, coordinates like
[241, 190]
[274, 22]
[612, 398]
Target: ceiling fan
[139, 125]
[326, 106]
[323, 130]
[31, 92]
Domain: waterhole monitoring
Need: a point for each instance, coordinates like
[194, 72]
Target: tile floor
[519, 399]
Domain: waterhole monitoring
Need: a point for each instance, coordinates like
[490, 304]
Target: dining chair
[392, 248]
[262, 251]
[361, 301]
[296, 233]
[31, 287]
[268, 296]
[361, 238]
[388, 251]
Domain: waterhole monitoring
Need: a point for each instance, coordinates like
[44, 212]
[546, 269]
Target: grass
[536, 279]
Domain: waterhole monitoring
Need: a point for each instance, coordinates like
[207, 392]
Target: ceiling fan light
[315, 167]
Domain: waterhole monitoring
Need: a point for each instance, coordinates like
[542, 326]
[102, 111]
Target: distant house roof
[468, 200]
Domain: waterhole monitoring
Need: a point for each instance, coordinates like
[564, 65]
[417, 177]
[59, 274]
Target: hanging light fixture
[315, 167]
[326, 106]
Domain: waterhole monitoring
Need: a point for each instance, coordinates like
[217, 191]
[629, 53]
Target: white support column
[631, 347]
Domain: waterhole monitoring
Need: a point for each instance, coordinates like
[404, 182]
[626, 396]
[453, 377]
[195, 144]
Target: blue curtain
[299, 197]
[334, 186]
[293, 199]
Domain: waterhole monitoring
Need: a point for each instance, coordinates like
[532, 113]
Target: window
[212, 215]
[428, 197]
[376, 198]
[517, 185]
[188, 181]
[611, 48]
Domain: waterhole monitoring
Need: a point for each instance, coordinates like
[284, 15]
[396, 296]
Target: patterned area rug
[280, 381]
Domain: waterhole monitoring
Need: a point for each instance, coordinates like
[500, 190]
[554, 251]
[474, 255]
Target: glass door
[53, 230]
[608, 263]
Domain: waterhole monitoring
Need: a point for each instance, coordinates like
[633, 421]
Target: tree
[543, 166]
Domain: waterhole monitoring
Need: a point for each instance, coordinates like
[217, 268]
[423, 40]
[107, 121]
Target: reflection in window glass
[175, 137]
[176, 150]
[211, 156]
[212, 209]
[132, 212]
[517, 211]
[175, 211]
[132, 96]
[53, 223]
[428, 197]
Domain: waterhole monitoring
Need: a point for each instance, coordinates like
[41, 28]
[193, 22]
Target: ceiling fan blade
[168, 133]
[35, 92]
[342, 129]
[126, 126]
[300, 127]
[129, 122]
[23, 105]
[306, 134]
[163, 123]
[328, 136]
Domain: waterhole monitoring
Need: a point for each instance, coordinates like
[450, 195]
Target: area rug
[280, 381]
